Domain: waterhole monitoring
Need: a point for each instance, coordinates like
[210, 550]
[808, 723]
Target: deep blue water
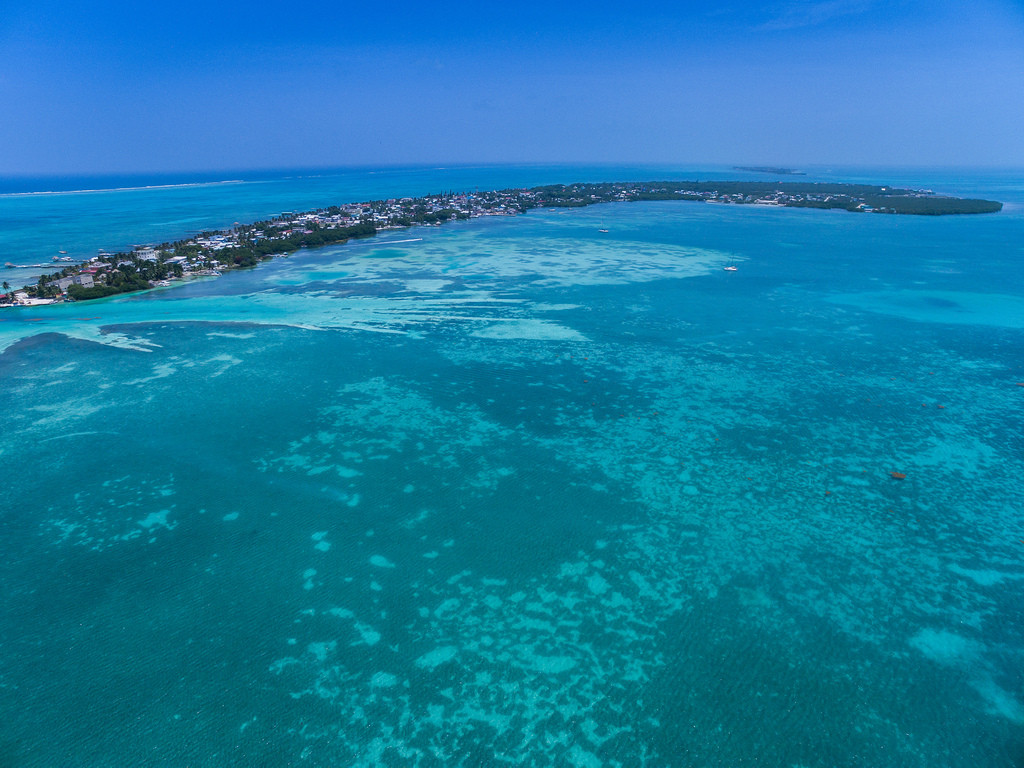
[515, 491]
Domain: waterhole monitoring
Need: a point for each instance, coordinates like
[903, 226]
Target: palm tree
[7, 289]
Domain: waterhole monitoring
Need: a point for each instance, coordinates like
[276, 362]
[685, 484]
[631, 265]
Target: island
[211, 253]
[773, 170]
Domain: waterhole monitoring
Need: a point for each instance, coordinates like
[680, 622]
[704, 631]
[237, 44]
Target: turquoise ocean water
[515, 491]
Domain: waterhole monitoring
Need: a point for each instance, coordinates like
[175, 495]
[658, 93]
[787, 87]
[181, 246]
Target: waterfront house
[61, 284]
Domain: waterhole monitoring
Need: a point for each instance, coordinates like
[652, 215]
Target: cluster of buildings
[212, 252]
[244, 245]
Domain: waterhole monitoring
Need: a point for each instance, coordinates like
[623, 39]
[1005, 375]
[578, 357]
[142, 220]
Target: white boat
[730, 268]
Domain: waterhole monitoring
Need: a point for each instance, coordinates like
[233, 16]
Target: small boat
[603, 230]
[730, 268]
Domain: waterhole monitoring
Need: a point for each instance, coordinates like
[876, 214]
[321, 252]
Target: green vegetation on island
[789, 194]
[210, 253]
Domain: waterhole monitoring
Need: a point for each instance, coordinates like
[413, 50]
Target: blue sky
[115, 87]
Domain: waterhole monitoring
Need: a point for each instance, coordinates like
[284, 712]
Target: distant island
[769, 169]
[211, 253]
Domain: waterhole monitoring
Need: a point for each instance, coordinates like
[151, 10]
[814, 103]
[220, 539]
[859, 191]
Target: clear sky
[111, 86]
